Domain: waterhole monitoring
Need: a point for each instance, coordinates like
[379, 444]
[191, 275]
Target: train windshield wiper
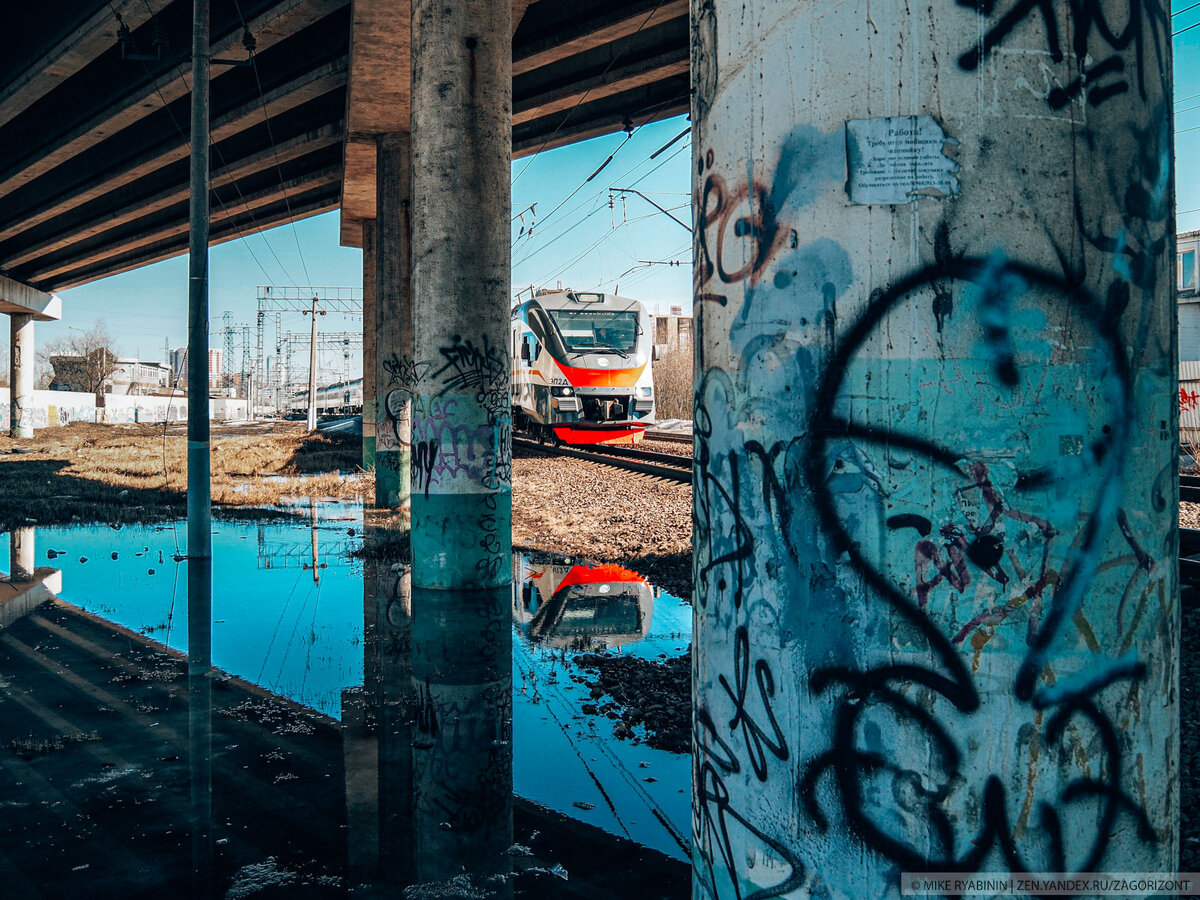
[595, 347]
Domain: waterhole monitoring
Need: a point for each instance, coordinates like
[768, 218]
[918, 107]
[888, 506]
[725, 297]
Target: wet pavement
[382, 733]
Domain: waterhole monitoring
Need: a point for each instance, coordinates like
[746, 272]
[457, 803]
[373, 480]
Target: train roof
[583, 299]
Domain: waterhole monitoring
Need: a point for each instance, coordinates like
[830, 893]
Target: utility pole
[247, 372]
[312, 368]
[199, 488]
[258, 362]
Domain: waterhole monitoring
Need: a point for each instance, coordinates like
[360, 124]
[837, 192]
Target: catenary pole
[199, 489]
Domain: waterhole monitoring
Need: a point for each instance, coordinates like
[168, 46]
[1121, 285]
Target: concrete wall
[54, 408]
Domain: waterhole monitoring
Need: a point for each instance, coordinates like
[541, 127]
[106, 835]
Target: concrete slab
[19, 598]
[17, 299]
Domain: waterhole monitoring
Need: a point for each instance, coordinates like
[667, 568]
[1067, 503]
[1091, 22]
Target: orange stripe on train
[602, 377]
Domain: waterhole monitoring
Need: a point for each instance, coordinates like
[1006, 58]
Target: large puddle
[290, 614]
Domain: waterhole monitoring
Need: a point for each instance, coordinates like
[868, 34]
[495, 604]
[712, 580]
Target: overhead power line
[212, 146]
[563, 121]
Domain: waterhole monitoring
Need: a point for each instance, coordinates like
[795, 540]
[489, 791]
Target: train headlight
[645, 391]
[560, 391]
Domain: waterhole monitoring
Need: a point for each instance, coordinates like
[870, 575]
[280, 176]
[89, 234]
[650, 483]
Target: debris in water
[257, 877]
[584, 806]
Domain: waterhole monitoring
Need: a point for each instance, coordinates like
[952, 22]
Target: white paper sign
[897, 159]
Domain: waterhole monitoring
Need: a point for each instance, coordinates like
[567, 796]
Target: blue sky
[580, 235]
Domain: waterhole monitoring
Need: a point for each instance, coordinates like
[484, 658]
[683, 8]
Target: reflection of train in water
[582, 370]
[584, 605]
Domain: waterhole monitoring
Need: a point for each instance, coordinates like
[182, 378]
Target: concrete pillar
[395, 371]
[462, 738]
[935, 581]
[360, 758]
[396, 720]
[370, 342]
[22, 556]
[20, 380]
[462, 418]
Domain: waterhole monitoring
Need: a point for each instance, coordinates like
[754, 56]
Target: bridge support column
[370, 302]
[394, 379]
[22, 554]
[20, 381]
[935, 582]
[462, 418]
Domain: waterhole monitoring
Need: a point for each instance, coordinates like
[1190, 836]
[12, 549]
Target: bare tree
[82, 360]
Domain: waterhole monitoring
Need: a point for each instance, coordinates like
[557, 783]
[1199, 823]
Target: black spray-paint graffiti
[404, 372]
[482, 369]
[1093, 35]
[871, 695]
[424, 459]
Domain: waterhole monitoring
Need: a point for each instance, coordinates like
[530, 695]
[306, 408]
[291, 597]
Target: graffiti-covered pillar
[394, 381]
[936, 598]
[21, 359]
[370, 342]
[461, 418]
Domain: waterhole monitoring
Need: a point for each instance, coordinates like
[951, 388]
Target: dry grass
[122, 473]
[673, 385]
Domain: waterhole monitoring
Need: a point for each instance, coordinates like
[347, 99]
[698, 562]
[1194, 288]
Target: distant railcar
[582, 368]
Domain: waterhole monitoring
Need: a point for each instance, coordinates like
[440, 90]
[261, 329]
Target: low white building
[134, 377]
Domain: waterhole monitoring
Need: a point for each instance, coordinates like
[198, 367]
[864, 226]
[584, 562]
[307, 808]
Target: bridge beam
[936, 438]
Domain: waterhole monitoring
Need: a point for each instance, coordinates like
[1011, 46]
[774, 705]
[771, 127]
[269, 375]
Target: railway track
[1189, 488]
[678, 468]
[652, 435]
[661, 465]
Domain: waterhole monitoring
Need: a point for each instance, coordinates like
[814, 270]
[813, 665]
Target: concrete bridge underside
[94, 143]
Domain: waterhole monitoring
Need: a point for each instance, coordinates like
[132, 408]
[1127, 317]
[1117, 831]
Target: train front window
[597, 331]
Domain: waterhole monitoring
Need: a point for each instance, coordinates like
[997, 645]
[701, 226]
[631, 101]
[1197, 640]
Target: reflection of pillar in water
[360, 744]
[395, 711]
[462, 748]
[23, 560]
[316, 569]
[200, 721]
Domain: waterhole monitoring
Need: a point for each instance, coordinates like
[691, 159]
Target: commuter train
[582, 368]
[582, 605]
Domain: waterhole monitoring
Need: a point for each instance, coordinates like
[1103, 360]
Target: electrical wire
[612, 62]
[579, 187]
[597, 172]
[271, 138]
[213, 146]
[603, 237]
[594, 196]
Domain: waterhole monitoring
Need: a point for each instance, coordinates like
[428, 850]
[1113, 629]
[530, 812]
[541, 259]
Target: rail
[660, 465]
[678, 468]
